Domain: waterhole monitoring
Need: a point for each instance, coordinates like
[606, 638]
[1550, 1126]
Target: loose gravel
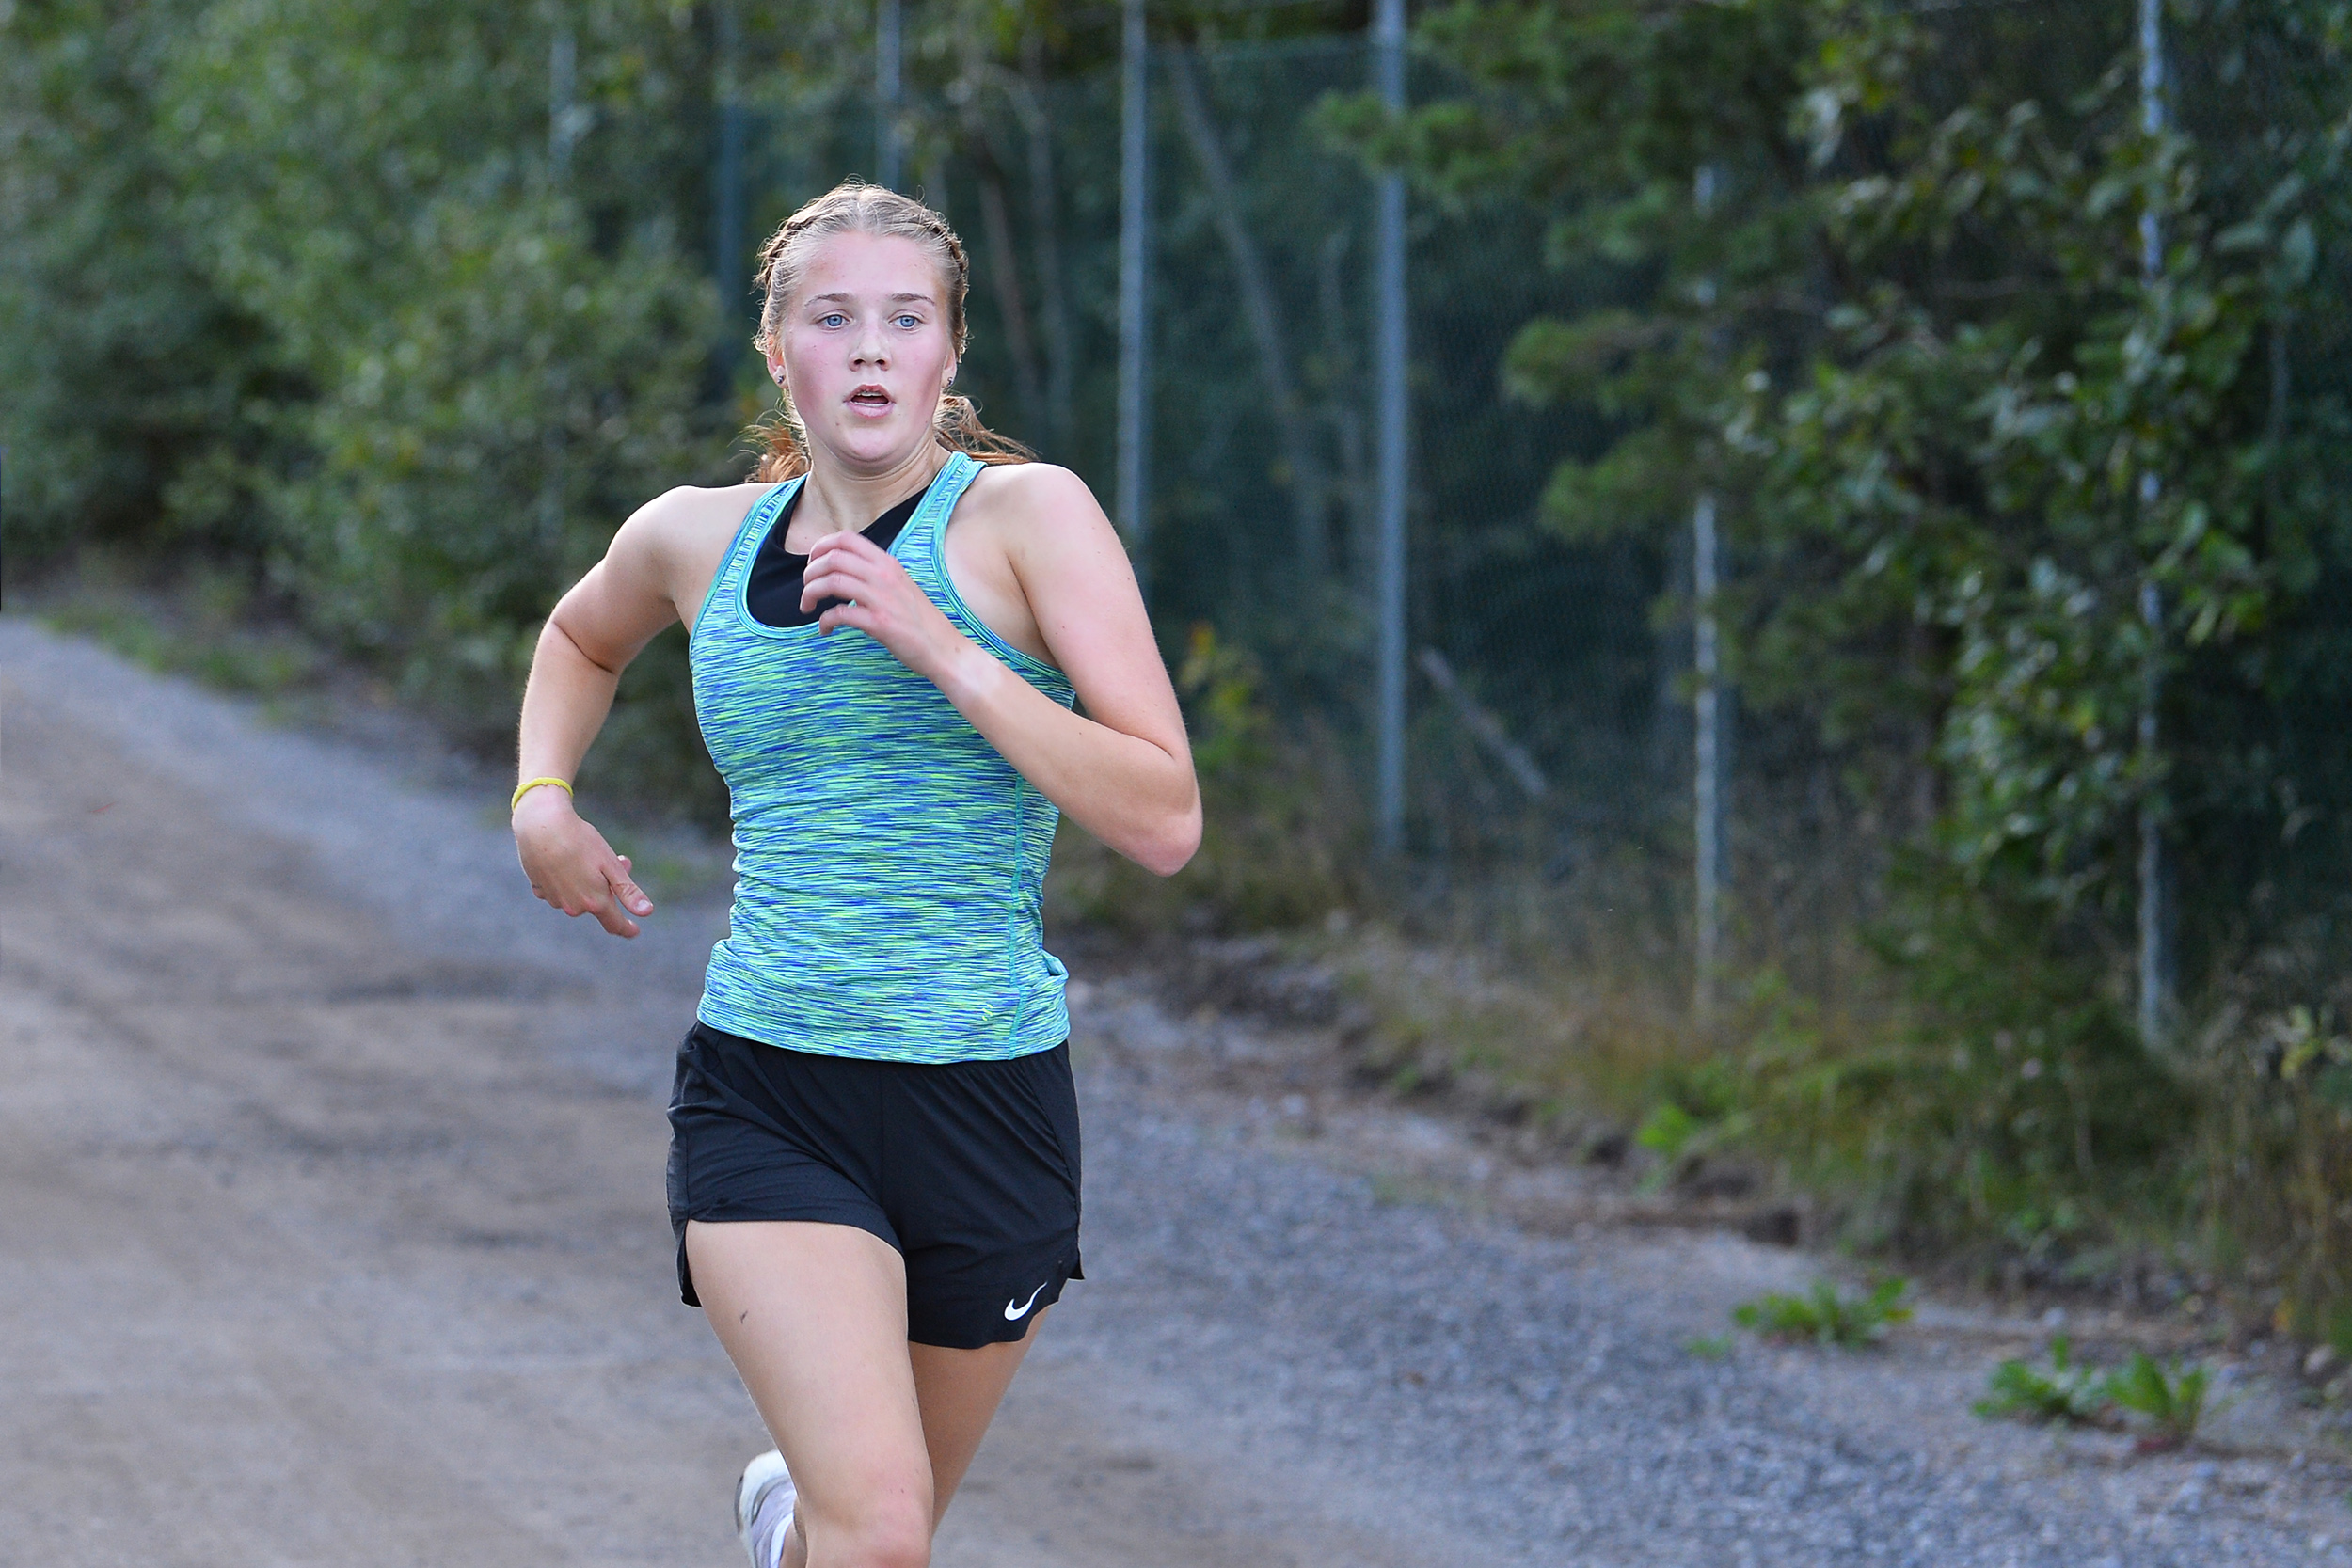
[1533, 1395]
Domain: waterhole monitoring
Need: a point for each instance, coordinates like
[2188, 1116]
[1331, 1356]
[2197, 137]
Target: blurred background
[1770, 578]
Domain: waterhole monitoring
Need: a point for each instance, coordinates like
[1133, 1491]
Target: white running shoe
[763, 1502]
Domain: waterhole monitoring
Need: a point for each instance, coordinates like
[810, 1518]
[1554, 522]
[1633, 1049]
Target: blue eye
[910, 322]
[835, 319]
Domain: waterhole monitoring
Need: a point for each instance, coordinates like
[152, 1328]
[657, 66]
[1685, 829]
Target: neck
[837, 498]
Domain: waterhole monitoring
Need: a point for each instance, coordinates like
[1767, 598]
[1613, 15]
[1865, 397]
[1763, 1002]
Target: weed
[1709, 1347]
[1697, 1115]
[2067, 1390]
[1826, 1315]
[2170, 1397]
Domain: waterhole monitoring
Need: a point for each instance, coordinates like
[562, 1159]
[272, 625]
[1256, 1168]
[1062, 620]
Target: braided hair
[855, 207]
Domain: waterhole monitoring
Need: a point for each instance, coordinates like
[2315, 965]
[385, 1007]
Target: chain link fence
[1548, 733]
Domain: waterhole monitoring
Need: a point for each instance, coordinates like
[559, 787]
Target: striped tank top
[890, 865]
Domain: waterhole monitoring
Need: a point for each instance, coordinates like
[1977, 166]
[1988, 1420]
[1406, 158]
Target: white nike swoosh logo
[1014, 1314]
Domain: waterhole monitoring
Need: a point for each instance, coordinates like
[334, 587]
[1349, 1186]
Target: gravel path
[1273, 1361]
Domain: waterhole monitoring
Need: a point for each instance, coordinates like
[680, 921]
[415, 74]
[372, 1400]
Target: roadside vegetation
[1827, 1315]
[347, 329]
[2164, 1403]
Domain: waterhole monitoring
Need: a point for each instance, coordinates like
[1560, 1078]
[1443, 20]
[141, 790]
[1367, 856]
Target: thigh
[814, 1317]
[760, 1134]
[959, 1391]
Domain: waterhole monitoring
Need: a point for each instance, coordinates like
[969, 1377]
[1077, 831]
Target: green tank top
[890, 864]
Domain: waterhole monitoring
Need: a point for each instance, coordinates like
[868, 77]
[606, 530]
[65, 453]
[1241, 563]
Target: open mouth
[870, 398]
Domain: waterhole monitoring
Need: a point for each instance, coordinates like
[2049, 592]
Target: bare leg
[814, 1317]
[959, 1391]
[877, 1432]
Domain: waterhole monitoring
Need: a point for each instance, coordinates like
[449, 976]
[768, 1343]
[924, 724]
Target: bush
[2275, 1069]
[130, 373]
[1282, 843]
[2000, 1097]
[1697, 1113]
[477, 448]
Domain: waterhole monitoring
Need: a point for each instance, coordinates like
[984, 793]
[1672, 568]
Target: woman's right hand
[571, 866]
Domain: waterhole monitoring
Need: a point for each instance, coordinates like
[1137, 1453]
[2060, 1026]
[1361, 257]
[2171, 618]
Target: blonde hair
[855, 207]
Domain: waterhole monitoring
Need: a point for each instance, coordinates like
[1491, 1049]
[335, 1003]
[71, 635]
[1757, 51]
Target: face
[864, 349]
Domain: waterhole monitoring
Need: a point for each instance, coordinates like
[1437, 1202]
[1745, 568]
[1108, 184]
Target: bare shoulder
[682, 523]
[1034, 507]
[672, 545]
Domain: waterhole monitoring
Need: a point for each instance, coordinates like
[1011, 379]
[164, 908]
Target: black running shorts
[969, 1169]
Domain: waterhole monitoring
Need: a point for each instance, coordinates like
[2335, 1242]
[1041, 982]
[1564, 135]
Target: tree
[1878, 286]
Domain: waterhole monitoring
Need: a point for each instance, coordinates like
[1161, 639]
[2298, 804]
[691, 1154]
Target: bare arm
[1123, 770]
[603, 623]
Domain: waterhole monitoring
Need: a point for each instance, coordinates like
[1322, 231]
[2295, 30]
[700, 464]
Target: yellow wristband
[529, 784]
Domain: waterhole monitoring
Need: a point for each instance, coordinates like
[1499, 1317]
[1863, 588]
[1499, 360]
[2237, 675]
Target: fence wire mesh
[1549, 723]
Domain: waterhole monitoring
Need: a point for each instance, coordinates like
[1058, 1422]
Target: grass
[1826, 1315]
[202, 632]
[1565, 1047]
[1698, 1115]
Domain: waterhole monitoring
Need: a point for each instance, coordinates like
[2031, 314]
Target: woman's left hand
[882, 601]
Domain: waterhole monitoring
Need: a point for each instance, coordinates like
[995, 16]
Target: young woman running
[874, 1156]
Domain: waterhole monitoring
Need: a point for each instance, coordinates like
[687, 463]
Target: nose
[872, 347]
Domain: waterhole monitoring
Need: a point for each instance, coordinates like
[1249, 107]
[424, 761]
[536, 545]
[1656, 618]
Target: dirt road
[332, 1222]
[331, 1232]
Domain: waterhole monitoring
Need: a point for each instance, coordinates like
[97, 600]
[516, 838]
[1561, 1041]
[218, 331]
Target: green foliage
[1709, 1347]
[1277, 846]
[1827, 1315]
[219, 653]
[1874, 283]
[2169, 1398]
[1968, 496]
[130, 372]
[2005, 1100]
[478, 448]
[1698, 1111]
[495, 384]
[2278, 1148]
[2066, 1390]
[325, 307]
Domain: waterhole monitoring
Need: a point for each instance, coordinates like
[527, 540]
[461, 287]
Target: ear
[775, 367]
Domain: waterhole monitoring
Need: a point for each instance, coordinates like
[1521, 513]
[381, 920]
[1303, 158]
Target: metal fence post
[1391, 433]
[1706, 802]
[1707, 793]
[2155, 954]
[727, 206]
[1135, 286]
[564, 116]
[886, 94]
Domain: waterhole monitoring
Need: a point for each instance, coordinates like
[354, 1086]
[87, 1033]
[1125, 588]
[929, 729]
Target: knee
[882, 1538]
